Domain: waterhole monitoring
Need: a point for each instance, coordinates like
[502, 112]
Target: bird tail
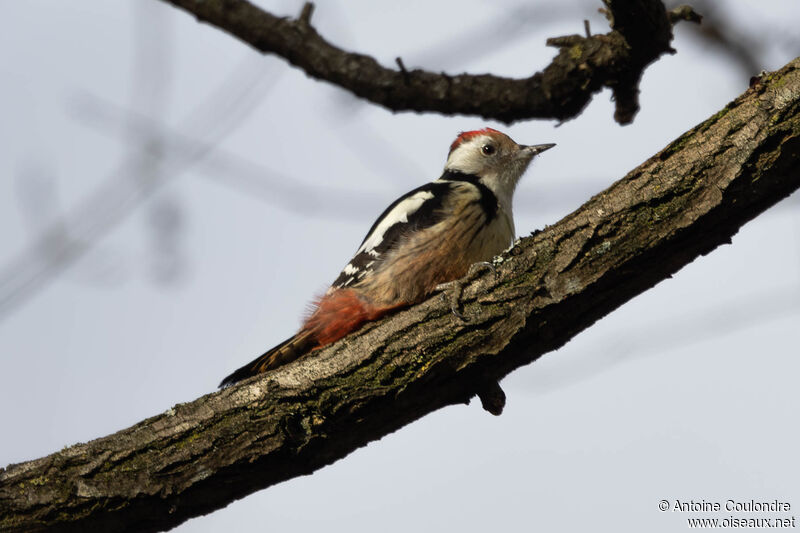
[335, 315]
[285, 352]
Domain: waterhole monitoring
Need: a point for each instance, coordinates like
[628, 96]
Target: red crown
[467, 135]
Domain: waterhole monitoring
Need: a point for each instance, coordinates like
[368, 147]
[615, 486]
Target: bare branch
[197, 457]
[641, 32]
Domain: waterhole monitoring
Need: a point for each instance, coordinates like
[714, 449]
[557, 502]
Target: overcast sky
[129, 282]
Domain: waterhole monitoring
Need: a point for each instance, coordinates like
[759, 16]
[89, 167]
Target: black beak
[537, 148]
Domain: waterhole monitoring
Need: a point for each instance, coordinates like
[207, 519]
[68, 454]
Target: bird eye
[488, 149]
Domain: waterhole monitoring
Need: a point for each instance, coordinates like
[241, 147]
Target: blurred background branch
[642, 31]
[137, 177]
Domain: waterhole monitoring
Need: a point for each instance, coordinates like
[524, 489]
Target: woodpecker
[427, 237]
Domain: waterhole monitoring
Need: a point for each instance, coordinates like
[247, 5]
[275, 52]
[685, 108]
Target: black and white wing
[415, 210]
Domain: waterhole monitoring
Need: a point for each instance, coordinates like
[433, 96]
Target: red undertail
[335, 315]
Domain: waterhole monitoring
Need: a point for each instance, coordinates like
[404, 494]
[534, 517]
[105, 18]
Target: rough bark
[641, 32]
[197, 457]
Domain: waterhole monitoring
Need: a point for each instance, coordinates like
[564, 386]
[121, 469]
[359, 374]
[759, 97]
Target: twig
[406, 76]
[686, 13]
[306, 13]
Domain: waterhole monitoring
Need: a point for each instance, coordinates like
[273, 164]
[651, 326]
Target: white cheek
[465, 161]
[468, 157]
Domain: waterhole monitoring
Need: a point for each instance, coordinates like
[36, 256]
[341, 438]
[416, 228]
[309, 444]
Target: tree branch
[642, 31]
[197, 457]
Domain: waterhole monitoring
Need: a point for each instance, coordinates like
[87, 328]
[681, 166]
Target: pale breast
[438, 254]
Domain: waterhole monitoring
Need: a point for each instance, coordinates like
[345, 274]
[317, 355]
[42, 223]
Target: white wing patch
[398, 215]
[413, 211]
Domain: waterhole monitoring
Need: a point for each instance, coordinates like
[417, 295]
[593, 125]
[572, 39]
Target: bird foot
[452, 290]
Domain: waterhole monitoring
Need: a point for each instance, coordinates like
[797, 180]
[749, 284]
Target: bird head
[494, 158]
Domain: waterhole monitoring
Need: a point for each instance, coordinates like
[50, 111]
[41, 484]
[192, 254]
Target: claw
[459, 315]
[452, 290]
[478, 267]
[451, 294]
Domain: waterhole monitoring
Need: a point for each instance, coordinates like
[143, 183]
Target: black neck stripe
[488, 199]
